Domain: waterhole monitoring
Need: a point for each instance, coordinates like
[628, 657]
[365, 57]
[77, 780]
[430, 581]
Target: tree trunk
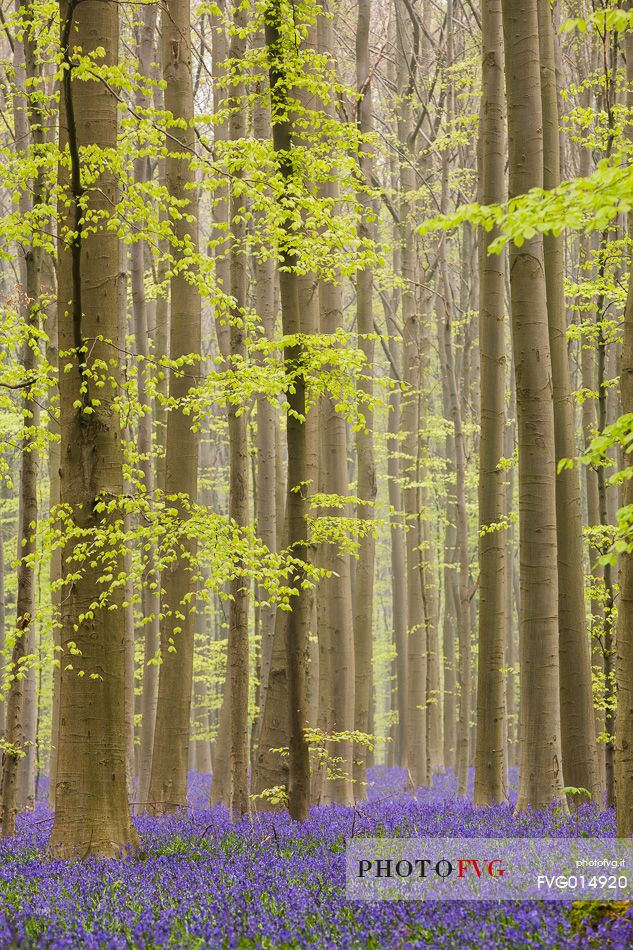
[201, 743]
[237, 650]
[460, 592]
[162, 315]
[29, 134]
[367, 485]
[434, 742]
[49, 290]
[541, 772]
[220, 233]
[449, 629]
[605, 500]
[150, 593]
[296, 499]
[16, 778]
[624, 659]
[398, 570]
[128, 587]
[596, 572]
[580, 759]
[168, 781]
[409, 416]
[335, 685]
[267, 435]
[511, 608]
[270, 768]
[624, 640]
[92, 815]
[456, 390]
[493, 580]
[221, 783]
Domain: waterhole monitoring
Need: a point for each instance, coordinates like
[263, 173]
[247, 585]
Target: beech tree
[29, 127]
[151, 590]
[92, 815]
[367, 487]
[337, 680]
[238, 666]
[168, 782]
[624, 660]
[491, 709]
[580, 761]
[541, 764]
[279, 44]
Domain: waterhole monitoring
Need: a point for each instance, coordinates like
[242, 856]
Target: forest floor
[201, 881]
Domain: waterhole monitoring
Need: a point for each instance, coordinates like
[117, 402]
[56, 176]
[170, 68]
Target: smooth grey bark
[624, 640]
[149, 633]
[580, 759]
[461, 598]
[491, 749]
[168, 777]
[367, 485]
[398, 561]
[409, 415]
[296, 437]
[92, 815]
[541, 778]
[48, 289]
[238, 641]
[267, 425]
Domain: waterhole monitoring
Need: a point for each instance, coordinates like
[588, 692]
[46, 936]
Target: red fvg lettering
[464, 863]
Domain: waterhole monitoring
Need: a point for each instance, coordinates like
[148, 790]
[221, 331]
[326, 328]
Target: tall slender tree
[624, 657]
[92, 815]
[336, 689]
[624, 639]
[49, 291]
[18, 773]
[168, 781]
[150, 594]
[280, 47]
[409, 416]
[238, 660]
[462, 594]
[541, 777]
[221, 780]
[580, 756]
[268, 434]
[491, 705]
[367, 486]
